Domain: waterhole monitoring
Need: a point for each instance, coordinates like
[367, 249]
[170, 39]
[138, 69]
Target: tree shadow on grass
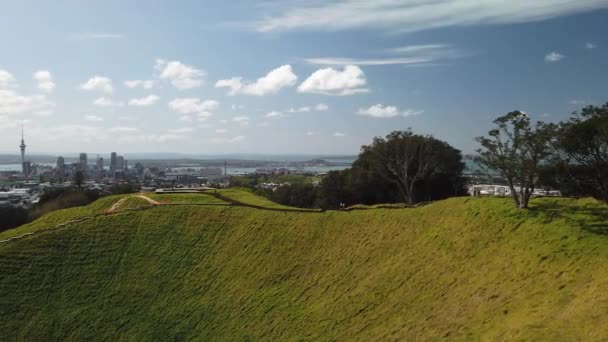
[590, 217]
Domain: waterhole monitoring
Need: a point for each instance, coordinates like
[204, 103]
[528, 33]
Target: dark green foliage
[11, 217]
[516, 149]
[580, 163]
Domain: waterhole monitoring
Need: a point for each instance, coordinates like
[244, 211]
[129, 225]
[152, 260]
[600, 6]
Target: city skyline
[210, 80]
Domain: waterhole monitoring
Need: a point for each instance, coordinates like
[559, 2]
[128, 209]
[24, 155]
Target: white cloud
[185, 118]
[335, 82]
[321, 107]
[221, 131]
[237, 107]
[144, 101]
[590, 45]
[151, 138]
[145, 84]
[181, 130]
[339, 134]
[180, 75]
[7, 80]
[94, 118]
[274, 81]
[192, 105]
[123, 129]
[45, 80]
[106, 102]
[98, 83]
[275, 114]
[411, 55]
[415, 15]
[311, 133]
[380, 111]
[578, 102]
[13, 103]
[263, 124]
[304, 109]
[554, 57]
[241, 120]
[228, 140]
[234, 85]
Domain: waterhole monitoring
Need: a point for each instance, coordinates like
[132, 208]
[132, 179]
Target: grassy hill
[463, 268]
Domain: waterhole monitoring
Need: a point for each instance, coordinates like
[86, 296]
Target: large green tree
[581, 158]
[410, 161]
[516, 149]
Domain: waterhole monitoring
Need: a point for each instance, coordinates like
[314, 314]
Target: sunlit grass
[464, 268]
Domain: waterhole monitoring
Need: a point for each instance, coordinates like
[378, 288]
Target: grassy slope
[463, 268]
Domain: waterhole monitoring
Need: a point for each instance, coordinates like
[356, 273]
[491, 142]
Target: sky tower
[22, 147]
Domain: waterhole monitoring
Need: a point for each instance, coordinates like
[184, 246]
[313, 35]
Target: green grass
[201, 198]
[463, 268]
[246, 196]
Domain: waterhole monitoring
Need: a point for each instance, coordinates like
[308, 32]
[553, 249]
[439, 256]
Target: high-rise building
[113, 162]
[99, 164]
[24, 168]
[83, 161]
[60, 169]
[120, 163]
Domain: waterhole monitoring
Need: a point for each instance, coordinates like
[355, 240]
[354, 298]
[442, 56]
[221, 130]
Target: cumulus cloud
[94, 118]
[45, 80]
[554, 57]
[144, 84]
[106, 102]
[241, 120]
[411, 16]
[380, 111]
[590, 45]
[274, 81]
[321, 107]
[12, 103]
[193, 105]
[98, 83]
[304, 109]
[275, 114]
[151, 138]
[221, 131]
[180, 75]
[7, 80]
[311, 133]
[329, 81]
[339, 134]
[144, 101]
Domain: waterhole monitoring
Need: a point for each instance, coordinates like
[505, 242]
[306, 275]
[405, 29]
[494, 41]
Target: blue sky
[318, 77]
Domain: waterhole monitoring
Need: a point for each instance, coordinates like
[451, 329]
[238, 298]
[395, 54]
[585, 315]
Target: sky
[288, 77]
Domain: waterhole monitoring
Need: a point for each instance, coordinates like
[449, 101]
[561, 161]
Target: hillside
[180, 267]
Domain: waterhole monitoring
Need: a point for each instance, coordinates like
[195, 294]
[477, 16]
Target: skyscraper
[99, 164]
[113, 162]
[83, 161]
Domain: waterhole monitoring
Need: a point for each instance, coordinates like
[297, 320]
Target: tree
[516, 150]
[79, 178]
[581, 158]
[407, 161]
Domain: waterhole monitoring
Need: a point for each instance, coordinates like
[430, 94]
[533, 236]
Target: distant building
[113, 162]
[120, 163]
[83, 161]
[60, 162]
[99, 164]
[25, 170]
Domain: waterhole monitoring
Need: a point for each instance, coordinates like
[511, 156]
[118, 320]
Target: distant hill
[232, 266]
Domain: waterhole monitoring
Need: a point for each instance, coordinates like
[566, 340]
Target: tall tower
[22, 147]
